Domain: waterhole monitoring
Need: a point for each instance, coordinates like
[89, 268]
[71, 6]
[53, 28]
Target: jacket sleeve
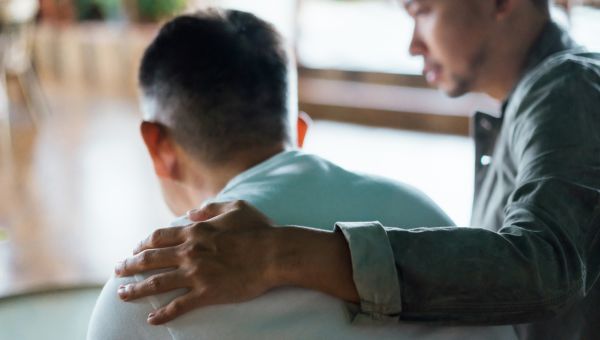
[545, 255]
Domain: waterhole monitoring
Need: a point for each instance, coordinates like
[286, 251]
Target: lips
[432, 72]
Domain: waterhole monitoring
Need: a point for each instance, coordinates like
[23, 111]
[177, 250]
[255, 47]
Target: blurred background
[77, 190]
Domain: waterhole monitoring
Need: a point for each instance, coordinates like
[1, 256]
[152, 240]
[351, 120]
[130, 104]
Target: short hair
[222, 78]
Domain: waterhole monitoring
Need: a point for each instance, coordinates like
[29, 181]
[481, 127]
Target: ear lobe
[304, 123]
[503, 7]
[160, 149]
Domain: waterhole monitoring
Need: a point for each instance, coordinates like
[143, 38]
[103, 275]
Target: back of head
[218, 80]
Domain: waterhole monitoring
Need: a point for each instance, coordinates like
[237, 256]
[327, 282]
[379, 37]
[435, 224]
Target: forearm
[487, 278]
[456, 274]
[312, 259]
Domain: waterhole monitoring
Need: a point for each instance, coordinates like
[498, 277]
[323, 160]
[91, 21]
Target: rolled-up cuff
[374, 270]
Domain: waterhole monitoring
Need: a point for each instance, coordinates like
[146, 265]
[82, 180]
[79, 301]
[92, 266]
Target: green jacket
[533, 253]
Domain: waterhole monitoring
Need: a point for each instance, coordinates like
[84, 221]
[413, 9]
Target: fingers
[177, 307]
[155, 284]
[148, 259]
[213, 210]
[161, 238]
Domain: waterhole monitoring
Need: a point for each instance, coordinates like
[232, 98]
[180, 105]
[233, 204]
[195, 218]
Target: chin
[455, 94]
[456, 86]
[455, 90]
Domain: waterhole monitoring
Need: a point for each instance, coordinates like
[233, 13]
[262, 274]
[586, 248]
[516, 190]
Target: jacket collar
[552, 39]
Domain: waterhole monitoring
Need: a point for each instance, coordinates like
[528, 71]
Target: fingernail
[151, 316]
[123, 291]
[119, 268]
[191, 212]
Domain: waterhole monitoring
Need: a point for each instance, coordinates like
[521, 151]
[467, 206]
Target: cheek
[455, 45]
[441, 43]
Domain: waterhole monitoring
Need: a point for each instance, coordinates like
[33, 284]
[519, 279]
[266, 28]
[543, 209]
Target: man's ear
[161, 149]
[503, 8]
[304, 123]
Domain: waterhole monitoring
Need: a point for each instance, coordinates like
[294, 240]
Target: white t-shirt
[291, 188]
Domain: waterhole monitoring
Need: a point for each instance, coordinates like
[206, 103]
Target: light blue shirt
[292, 188]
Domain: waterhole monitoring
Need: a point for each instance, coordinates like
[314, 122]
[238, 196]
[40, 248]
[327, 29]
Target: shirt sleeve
[374, 271]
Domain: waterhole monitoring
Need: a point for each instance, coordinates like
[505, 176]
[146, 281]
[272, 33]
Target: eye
[421, 11]
[418, 10]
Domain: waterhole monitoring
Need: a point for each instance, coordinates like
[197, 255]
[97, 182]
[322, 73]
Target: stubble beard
[465, 83]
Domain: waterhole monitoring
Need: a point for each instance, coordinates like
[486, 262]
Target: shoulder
[552, 125]
[558, 98]
[310, 190]
[399, 203]
[115, 319]
[340, 181]
[570, 74]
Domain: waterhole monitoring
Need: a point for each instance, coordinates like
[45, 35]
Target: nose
[417, 46]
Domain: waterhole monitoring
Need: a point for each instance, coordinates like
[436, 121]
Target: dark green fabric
[534, 255]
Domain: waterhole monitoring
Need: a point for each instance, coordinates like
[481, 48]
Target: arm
[542, 259]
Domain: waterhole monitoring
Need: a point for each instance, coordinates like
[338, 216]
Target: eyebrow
[408, 3]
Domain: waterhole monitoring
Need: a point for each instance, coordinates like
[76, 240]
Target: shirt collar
[261, 168]
[551, 40]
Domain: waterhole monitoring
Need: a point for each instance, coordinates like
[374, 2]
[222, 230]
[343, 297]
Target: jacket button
[485, 160]
[486, 124]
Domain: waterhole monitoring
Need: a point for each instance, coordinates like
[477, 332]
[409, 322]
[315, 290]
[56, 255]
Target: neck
[208, 180]
[507, 61]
